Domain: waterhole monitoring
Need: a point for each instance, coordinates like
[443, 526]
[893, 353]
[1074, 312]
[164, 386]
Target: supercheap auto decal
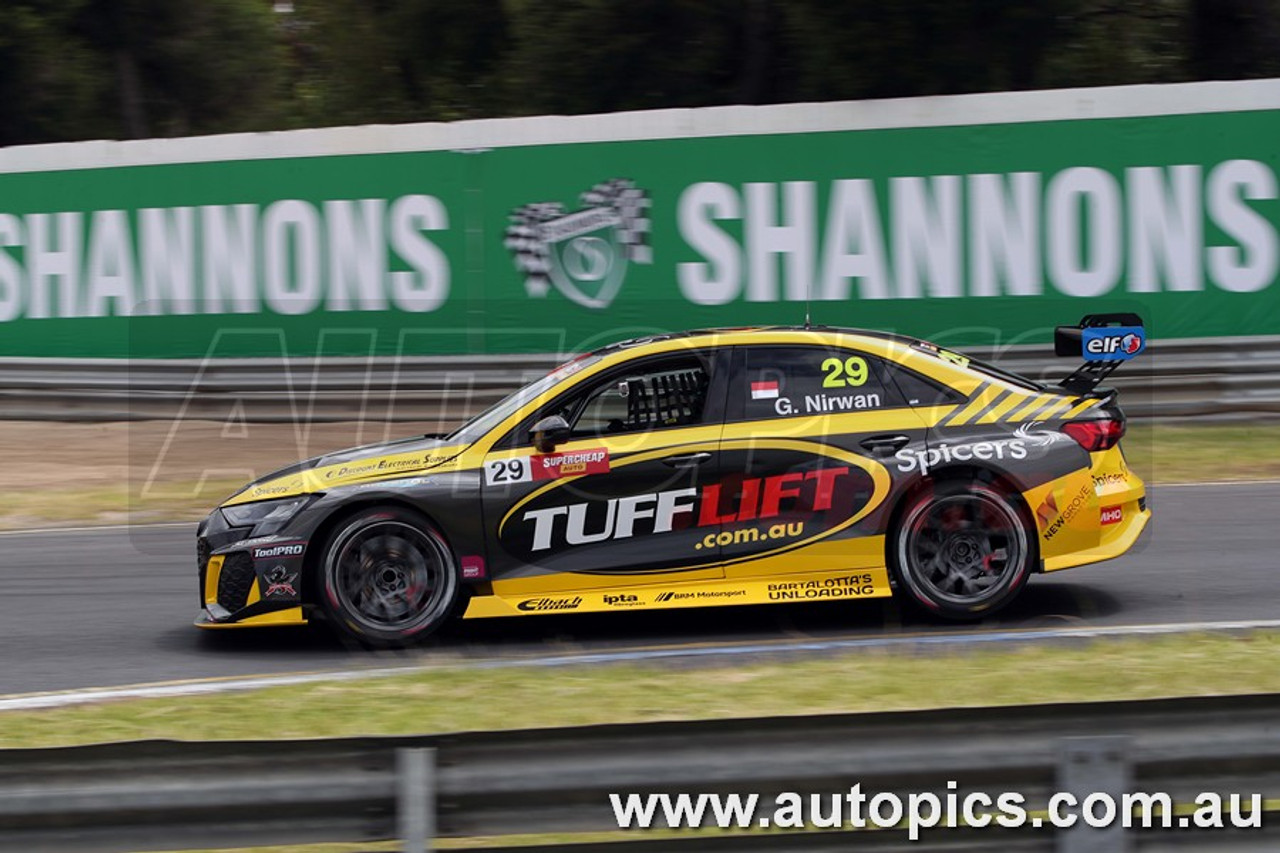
[822, 491]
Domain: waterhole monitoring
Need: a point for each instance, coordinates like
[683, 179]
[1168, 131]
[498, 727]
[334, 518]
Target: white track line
[100, 528]
[32, 701]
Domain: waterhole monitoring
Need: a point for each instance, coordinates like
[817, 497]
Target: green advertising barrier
[971, 220]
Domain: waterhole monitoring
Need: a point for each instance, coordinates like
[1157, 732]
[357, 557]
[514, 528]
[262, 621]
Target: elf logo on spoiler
[1114, 343]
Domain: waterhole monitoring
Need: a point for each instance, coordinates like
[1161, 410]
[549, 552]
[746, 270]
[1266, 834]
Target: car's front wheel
[962, 550]
[387, 577]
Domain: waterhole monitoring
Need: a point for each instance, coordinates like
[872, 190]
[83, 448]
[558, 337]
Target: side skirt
[779, 589]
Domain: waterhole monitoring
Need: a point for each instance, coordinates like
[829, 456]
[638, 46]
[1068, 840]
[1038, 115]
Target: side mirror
[549, 432]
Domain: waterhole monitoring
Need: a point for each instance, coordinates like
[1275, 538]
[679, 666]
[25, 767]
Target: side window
[667, 394]
[922, 391]
[783, 381]
[656, 393]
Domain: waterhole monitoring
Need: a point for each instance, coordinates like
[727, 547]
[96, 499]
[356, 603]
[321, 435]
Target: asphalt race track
[112, 607]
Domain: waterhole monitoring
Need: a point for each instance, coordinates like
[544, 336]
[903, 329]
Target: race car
[700, 469]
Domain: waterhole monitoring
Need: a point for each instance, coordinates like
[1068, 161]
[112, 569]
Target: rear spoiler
[1104, 341]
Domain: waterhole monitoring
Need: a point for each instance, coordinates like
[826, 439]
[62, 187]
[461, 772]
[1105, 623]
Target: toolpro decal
[270, 552]
[803, 491]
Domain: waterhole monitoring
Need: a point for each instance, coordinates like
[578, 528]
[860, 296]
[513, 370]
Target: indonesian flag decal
[764, 390]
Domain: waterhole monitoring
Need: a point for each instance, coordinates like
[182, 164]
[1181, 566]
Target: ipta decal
[923, 460]
[622, 600]
[553, 466]
[804, 491]
[1112, 515]
[270, 552]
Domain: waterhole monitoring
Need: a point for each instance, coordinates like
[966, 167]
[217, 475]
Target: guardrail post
[1094, 765]
[415, 799]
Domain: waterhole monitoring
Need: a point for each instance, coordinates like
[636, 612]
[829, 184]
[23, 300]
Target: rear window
[984, 367]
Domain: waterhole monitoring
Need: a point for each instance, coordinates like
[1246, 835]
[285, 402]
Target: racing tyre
[387, 578]
[962, 550]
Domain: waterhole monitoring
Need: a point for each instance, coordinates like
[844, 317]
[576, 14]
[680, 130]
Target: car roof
[747, 331]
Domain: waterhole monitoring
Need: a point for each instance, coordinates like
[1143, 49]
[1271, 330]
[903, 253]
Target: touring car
[700, 469]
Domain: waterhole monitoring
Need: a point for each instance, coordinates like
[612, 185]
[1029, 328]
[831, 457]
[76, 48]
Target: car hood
[357, 464]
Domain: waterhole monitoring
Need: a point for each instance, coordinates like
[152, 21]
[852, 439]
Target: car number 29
[498, 472]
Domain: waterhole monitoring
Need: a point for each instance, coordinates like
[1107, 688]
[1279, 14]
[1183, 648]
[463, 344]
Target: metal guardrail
[1201, 378]
[169, 795]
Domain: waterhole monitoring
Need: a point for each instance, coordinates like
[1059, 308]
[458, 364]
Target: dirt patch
[142, 470]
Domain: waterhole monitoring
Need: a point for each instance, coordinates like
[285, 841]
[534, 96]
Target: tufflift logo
[583, 253]
[1113, 343]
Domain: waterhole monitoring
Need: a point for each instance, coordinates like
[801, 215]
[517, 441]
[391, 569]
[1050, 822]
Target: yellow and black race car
[719, 467]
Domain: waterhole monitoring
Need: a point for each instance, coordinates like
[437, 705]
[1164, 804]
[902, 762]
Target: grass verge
[454, 699]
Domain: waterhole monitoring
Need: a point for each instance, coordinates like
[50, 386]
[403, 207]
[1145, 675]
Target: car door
[619, 502]
[809, 449]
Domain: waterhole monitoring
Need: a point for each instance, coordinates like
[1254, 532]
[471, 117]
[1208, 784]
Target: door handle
[689, 460]
[885, 445]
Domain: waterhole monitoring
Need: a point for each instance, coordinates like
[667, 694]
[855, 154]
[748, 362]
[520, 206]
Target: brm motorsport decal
[583, 253]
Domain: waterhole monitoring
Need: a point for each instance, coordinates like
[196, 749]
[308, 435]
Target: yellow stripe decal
[1003, 407]
[1055, 408]
[986, 396]
[1022, 413]
[1087, 404]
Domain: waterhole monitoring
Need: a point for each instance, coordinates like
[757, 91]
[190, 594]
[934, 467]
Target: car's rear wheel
[962, 549]
[388, 578]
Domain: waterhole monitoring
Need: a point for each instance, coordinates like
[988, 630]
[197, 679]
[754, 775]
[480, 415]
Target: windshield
[473, 429]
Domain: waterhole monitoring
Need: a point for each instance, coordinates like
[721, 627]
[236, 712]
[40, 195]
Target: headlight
[266, 517]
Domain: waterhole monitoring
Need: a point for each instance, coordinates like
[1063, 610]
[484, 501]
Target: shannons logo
[277, 551]
[583, 253]
[924, 460]
[542, 605]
